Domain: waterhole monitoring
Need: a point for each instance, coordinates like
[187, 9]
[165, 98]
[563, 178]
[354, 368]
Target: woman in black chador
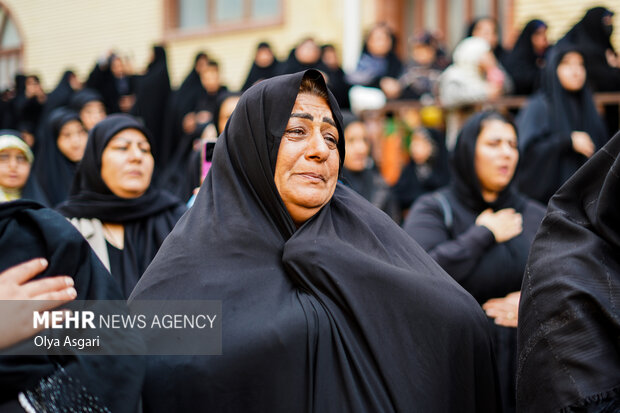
[62, 149]
[264, 66]
[479, 229]
[113, 204]
[328, 306]
[592, 34]
[559, 129]
[526, 60]
[63, 383]
[569, 320]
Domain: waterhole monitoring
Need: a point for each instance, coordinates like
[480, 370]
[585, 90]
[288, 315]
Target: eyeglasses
[6, 158]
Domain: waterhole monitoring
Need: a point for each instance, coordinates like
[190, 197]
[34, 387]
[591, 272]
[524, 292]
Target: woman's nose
[317, 147]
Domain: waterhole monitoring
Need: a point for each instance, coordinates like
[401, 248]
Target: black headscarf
[258, 73]
[465, 182]
[152, 93]
[346, 313]
[84, 96]
[61, 95]
[545, 127]
[292, 65]
[27, 231]
[594, 39]
[53, 170]
[147, 219]
[416, 180]
[569, 320]
[181, 102]
[522, 63]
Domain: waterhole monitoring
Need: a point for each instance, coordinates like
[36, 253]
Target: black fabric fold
[27, 231]
[345, 313]
[569, 353]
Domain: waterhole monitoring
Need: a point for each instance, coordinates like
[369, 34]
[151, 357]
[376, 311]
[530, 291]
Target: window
[192, 15]
[452, 17]
[10, 49]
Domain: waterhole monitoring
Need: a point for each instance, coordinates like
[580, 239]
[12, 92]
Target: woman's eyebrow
[308, 116]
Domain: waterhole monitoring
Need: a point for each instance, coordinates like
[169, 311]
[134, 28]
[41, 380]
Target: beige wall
[561, 15]
[73, 33]
[321, 19]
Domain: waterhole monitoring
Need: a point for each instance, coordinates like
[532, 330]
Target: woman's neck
[114, 234]
[489, 196]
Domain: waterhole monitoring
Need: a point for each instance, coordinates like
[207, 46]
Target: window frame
[17, 52]
[172, 31]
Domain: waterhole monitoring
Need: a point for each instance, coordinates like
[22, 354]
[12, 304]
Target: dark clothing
[444, 223]
[63, 383]
[181, 102]
[339, 86]
[593, 39]
[468, 252]
[109, 86]
[370, 184]
[416, 180]
[292, 65]
[569, 319]
[52, 169]
[147, 220]
[523, 64]
[347, 309]
[61, 95]
[545, 125]
[257, 73]
[152, 93]
[371, 69]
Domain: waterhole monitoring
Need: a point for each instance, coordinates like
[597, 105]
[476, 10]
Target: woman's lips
[311, 176]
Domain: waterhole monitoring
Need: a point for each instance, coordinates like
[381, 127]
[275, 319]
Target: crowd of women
[416, 308]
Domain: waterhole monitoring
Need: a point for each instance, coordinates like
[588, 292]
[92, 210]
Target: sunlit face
[92, 113]
[72, 140]
[571, 72]
[308, 52]
[116, 67]
[539, 40]
[14, 168]
[264, 57]
[379, 42]
[423, 54]
[226, 110]
[308, 160]
[330, 58]
[210, 79]
[487, 30]
[420, 149]
[356, 147]
[496, 155]
[127, 164]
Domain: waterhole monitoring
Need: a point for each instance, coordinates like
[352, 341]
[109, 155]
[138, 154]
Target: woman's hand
[505, 311]
[505, 224]
[582, 143]
[39, 295]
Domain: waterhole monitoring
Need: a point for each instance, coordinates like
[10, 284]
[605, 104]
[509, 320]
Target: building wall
[74, 33]
[561, 15]
[323, 21]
